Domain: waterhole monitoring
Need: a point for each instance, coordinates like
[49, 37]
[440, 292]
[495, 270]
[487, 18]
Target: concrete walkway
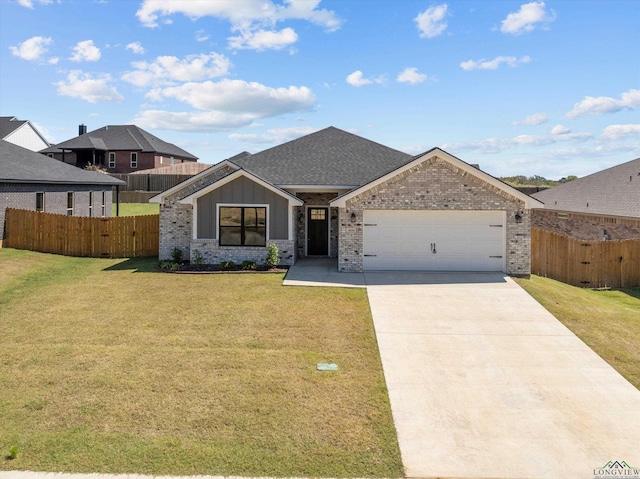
[321, 272]
[485, 383]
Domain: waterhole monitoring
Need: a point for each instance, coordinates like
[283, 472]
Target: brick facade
[316, 199]
[212, 253]
[146, 160]
[435, 184]
[23, 196]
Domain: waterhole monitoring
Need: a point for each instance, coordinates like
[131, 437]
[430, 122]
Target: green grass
[109, 366]
[136, 209]
[607, 321]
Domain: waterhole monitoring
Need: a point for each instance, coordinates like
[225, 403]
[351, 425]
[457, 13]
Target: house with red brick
[118, 149]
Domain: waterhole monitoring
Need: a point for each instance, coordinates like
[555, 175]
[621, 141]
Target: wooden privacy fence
[149, 182]
[114, 237]
[590, 264]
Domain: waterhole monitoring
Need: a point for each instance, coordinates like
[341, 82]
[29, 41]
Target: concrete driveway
[485, 383]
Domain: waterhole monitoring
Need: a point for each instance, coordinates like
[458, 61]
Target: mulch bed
[215, 269]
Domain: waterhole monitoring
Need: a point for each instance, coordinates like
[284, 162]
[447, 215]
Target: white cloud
[618, 132]
[274, 136]
[560, 130]
[261, 40]
[535, 119]
[357, 79]
[32, 49]
[525, 19]
[498, 145]
[202, 36]
[29, 3]
[431, 22]
[88, 88]
[241, 96]
[136, 47]
[411, 75]
[493, 64]
[167, 70]
[85, 51]
[254, 18]
[604, 104]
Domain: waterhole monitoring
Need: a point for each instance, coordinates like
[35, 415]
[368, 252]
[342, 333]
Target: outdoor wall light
[518, 217]
[353, 217]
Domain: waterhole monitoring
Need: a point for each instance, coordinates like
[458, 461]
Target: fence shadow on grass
[145, 264]
[633, 292]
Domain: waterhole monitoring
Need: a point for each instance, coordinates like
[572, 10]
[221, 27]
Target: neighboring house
[332, 193]
[31, 181]
[118, 149]
[21, 133]
[601, 206]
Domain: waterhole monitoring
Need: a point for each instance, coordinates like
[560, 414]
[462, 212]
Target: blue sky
[548, 88]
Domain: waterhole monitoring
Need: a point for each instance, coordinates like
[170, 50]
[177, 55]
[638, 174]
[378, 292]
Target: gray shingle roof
[614, 191]
[9, 124]
[19, 165]
[327, 157]
[121, 138]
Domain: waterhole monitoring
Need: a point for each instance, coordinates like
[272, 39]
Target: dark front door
[318, 231]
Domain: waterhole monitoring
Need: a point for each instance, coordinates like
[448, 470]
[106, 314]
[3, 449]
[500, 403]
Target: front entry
[317, 231]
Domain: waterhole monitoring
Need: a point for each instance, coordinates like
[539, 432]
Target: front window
[134, 160]
[70, 203]
[112, 160]
[39, 201]
[243, 226]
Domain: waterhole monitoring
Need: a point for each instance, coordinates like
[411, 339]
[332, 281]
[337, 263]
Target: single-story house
[118, 149]
[32, 181]
[22, 133]
[333, 193]
[602, 206]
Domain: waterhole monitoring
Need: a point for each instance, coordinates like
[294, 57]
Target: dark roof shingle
[121, 138]
[614, 192]
[327, 157]
[19, 165]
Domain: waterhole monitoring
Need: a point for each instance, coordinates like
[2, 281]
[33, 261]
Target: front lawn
[109, 366]
[607, 321]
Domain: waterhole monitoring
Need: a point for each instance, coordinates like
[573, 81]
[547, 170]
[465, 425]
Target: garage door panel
[434, 240]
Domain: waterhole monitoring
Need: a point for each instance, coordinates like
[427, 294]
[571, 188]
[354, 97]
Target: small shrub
[174, 266]
[177, 255]
[273, 255]
[249, 265]
[197, 259]
[227, 265]
[13, 452]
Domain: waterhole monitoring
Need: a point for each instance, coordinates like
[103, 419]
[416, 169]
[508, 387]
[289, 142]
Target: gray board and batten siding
[243, 191]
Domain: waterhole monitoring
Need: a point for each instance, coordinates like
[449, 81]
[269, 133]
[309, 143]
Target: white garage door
[434, 240]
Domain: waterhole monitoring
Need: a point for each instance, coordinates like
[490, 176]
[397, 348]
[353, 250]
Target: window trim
[242, 205]
[71, 200]
[40, 194]
[133, 159]
[112, 159]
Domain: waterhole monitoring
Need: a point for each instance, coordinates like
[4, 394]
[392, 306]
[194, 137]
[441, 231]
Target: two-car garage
[434, 240]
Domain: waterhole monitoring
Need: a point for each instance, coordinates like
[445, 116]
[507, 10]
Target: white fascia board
[159, 198]
[318, 188]
[190, 200]
[529, 202]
